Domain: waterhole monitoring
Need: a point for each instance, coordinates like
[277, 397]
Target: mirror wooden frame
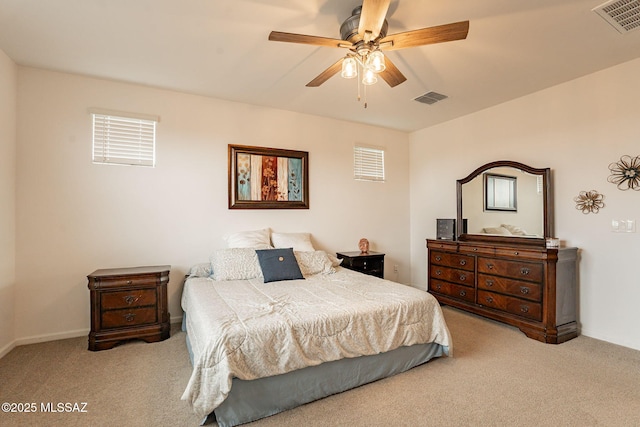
[547, 206]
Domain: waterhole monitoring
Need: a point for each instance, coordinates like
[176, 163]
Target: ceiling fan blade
[372, 17]
[391, 74]
[279, 36]
[424, 36]
[326, 74]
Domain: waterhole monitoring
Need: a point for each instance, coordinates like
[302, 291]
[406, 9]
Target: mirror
[507, 202]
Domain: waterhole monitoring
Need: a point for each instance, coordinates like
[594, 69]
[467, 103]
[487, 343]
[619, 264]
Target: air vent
[430, 98]
[623, 15]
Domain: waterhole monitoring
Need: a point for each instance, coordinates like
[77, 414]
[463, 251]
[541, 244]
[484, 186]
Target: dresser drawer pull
[129, 282]
[438, 272]
[524, 271]
[490, 266]
[130, 299]
[438, 258]
[490, 282]
[463, 277]
[524, 308]
[489, 299]
[524, 290]
[516, 253]
[463, 293]
[129, 317]
[463, 262]
[438, 286]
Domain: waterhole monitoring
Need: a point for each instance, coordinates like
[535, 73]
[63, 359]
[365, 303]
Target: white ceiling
[219, 48]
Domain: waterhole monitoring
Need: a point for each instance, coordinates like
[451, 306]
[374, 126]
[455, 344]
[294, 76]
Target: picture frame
[500, 193]
[268, 178]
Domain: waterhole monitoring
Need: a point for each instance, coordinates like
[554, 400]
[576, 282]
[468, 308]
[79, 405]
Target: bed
[260, 345]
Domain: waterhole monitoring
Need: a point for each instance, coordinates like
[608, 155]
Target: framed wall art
[268, 178]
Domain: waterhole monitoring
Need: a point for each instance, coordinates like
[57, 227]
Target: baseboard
[52, 337]
[7, 348]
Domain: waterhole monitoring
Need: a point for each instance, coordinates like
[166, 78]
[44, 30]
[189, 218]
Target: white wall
[576, 129]
[75, 217]
[8, 99]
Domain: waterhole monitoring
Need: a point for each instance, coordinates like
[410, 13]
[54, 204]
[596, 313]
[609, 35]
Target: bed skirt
[251, 400]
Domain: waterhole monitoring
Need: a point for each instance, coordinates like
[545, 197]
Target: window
[124, 139]
[368, 163]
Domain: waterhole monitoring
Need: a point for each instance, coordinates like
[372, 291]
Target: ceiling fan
[364, 34]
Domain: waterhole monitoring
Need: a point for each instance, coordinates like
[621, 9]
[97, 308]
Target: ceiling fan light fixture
[369, 77]
[349, 68]
[375, 62]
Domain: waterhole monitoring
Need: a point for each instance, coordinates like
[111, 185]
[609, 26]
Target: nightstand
[371, 263]
[128, 303]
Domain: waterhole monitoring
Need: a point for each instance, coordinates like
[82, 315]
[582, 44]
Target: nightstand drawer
[133, 298]
[148, 280]
[371, 263]
[129, 317]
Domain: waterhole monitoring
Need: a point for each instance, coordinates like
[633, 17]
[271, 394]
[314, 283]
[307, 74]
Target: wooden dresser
[371, 263]
[532, 288]
[128, 303]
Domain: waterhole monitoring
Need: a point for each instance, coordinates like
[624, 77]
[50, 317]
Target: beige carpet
[497, 377]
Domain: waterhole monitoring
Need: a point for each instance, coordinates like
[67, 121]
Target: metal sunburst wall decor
[626, 173]
[589, 201]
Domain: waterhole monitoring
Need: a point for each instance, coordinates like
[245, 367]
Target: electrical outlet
[395, 268]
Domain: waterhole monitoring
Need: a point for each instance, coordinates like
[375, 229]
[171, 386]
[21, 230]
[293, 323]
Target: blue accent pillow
[278, 264]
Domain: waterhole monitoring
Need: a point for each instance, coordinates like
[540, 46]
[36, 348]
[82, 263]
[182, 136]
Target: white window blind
[368, 163]
[124, 140]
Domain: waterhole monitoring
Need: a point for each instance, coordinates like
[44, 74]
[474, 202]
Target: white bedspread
[249, 329]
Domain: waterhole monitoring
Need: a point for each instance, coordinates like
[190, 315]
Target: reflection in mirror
[506, 201]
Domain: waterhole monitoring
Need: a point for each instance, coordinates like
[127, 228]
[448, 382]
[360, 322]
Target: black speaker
[446, 228]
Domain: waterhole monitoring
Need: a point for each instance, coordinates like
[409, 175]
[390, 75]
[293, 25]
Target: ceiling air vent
[430, 98]
[623, 15]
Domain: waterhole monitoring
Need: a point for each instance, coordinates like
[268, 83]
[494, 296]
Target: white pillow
[515, 230]
[202, 269]
[496, 230]
[298, 241]
[235, 264]
[257, 239]
[314, 262]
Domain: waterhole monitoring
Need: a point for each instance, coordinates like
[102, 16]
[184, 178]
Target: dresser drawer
[531, 271]
[454, 291]
[129, 317]
[132, 298]
[462, 277]
[116, 281]
[464, 262]
[517, 288]
[517, 306]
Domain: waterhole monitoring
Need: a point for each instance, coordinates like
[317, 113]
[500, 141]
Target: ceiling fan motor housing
[349, 28]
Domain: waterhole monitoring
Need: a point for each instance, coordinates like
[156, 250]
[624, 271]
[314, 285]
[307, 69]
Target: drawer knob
[129, 282]
[489, 299]
[516, 253]
[524, 271]
[463, 293]
[438, 272]
[463, 277]
[130, 299]
[129, 317]
[524, 308]
[524, 290]
[463, 262]
[438, 258]
[490, 282]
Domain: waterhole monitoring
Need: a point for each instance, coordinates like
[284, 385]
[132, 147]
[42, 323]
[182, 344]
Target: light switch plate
[623, 225]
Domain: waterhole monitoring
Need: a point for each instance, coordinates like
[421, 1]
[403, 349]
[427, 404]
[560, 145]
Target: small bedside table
[371, 263]
[128, 303]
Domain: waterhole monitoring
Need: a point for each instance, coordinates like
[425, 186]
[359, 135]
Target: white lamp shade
[349, 68]
[375, 62]
[369, 77]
